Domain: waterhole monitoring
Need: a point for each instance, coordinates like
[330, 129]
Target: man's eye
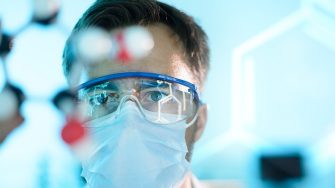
[103, 98]
[155, 96]
[98, 99]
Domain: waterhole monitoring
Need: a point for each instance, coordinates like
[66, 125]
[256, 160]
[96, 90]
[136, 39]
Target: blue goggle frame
[162, 77]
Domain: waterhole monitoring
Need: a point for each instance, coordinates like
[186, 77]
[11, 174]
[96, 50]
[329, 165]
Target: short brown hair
[112, 14]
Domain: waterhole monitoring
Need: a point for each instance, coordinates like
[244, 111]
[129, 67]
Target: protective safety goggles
[160, 98]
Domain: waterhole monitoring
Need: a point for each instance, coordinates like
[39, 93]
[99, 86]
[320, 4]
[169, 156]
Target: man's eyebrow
[152, 84]
[105, 86]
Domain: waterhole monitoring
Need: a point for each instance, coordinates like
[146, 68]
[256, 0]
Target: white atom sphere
[67, 106]
[138, 41]
[83, 111]
[8, 104]
[43, 9]
[94, 45]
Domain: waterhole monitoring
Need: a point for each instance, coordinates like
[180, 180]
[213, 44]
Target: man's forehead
[167, 57]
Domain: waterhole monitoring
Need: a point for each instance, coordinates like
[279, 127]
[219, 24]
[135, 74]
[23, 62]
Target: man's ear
[201, 122]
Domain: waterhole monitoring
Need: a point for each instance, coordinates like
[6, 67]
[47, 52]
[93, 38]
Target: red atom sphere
[123, 54]
[73, 131]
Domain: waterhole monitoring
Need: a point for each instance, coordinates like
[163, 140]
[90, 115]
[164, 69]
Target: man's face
[167, 57]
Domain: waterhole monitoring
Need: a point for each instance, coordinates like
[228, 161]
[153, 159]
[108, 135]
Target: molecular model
[91, 46]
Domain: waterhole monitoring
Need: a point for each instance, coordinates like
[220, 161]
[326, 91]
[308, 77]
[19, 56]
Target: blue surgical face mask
[131, 152]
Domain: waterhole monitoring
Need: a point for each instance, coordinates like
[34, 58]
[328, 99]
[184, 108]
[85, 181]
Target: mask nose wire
[130, 98]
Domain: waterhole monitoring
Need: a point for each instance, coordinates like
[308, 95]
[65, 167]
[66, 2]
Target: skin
[167, 57]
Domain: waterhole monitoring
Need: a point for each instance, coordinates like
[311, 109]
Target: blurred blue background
[270, 90]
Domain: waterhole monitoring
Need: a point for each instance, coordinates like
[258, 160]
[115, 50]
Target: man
[14, 119]
[145, 114]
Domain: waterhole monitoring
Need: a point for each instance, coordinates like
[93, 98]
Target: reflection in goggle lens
[160, 101]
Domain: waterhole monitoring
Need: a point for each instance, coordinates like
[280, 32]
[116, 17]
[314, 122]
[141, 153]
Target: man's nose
[127, 101]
